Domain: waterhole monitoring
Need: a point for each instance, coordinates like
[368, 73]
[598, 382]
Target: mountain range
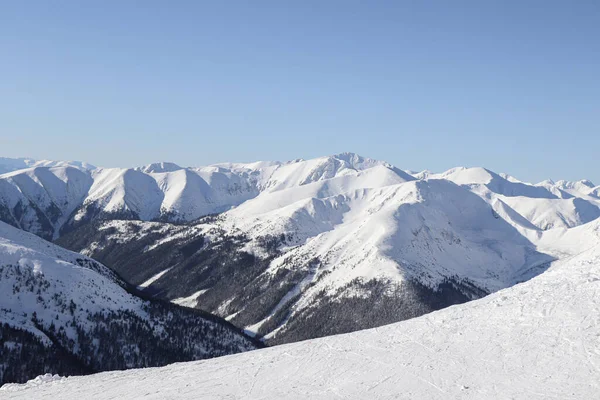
[295, 250]
[64, 313]
[535, 340]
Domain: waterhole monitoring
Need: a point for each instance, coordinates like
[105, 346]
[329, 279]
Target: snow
[47, 288]
[537, 339]
[153, 279]
[45, 379]
[427, 230]
[92, 290]
[546, 205]
[165, 189]
[191, 300]
[361, 218]
[15, 164]
[160, 167]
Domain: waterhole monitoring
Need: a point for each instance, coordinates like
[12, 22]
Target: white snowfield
[536, 340]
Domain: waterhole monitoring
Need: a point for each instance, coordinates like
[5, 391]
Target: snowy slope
[430, 232]
[546, 205]
[41, 199]
[538, 339]
[411, 226]
[67, 301]
[320, 247]
[159, 191]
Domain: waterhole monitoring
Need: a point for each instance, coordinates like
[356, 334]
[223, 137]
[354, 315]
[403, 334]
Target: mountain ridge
[284, 249]
[63, 312]
[537, 338]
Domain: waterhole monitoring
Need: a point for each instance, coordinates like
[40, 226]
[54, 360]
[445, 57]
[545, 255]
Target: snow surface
[191, 300]
[536, 340]
[153, 279]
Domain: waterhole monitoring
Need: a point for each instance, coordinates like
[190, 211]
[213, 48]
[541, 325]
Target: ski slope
[536, 340]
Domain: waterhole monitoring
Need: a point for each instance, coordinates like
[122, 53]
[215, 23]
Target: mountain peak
[575, 184]
[160, 167]
[356, 161]
[348, 156]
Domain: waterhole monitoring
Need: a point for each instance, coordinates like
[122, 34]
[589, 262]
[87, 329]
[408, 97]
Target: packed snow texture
[536, 340]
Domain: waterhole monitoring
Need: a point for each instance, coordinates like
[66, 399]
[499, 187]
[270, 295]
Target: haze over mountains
[305, 248]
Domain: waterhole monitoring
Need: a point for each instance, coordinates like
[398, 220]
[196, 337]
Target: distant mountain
[15, 164]
[538, 339]
[306, 248]
[62, 312]
[160, 167]
[50, 200]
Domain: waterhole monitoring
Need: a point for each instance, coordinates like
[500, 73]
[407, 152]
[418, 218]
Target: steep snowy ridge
[160, 191]
[41, 199]
[30, 199]
[160, 167]
[421, 231]
[123, 191]
[537, 339]
[71, 304]
[546, 205]
[392, 229]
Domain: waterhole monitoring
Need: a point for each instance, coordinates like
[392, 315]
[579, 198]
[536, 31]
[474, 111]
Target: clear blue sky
[510, 85]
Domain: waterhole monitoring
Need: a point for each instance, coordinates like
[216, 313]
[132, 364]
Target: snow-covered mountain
[545, 205]
[50, 197]
[298, 244]
[537, 339]
[63, 312]
[14, 164]
[45, 197]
